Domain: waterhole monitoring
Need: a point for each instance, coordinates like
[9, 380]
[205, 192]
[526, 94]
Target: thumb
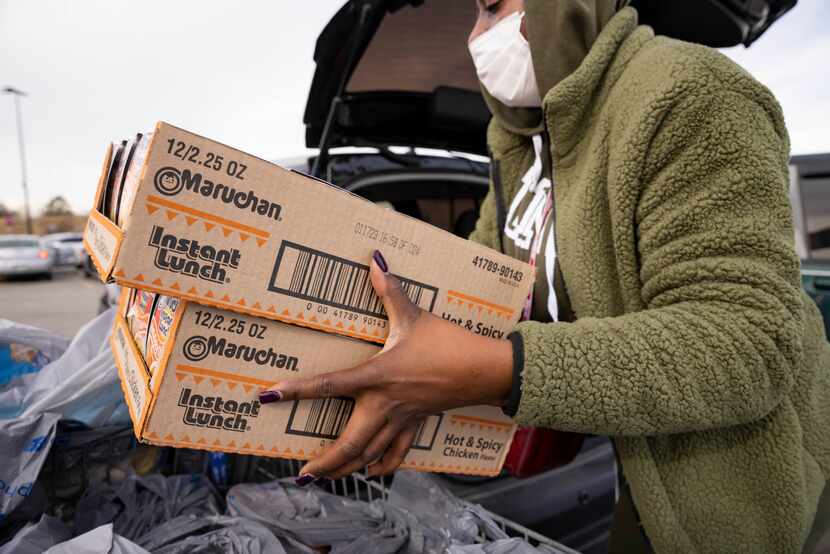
[398, 306]
[346, 382]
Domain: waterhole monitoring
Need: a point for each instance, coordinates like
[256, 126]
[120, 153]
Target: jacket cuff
[512, 405]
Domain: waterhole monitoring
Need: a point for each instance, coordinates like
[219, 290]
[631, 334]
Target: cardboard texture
[202, 392]
[204, 222]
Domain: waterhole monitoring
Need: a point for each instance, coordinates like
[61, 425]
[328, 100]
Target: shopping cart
[81, 456]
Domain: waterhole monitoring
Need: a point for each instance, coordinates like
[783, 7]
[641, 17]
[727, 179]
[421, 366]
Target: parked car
[25, 255]
[69, 248]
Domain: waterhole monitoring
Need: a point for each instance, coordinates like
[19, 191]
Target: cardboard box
[203, 391]
[184, 216]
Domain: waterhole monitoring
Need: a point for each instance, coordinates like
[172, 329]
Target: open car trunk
[397, 72]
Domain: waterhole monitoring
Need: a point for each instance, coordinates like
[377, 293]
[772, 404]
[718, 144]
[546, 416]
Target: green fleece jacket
[694, 346]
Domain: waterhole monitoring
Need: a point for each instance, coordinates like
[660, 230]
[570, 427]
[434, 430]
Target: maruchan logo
[191, 257]
[171, 181]
[197, 348]
[216, 412]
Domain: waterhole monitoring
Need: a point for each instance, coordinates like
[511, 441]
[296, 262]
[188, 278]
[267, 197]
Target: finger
[364, 423]
[376, 448]
[397, 451]
[400, 308]
[346, 382]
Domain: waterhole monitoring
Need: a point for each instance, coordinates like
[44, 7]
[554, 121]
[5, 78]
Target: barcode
[309, 274]
[325, 418]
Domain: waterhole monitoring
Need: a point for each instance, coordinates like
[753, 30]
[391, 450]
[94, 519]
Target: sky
[239, 72]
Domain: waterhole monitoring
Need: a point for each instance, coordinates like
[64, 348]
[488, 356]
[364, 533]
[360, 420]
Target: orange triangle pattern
[185, 439]
[313, 318]
[243, 237]
[175, 286]
[300, 316]
[157, 282]
[209, 294]
[120, 273]
[192, 290]
[272, 309]
[232, 444]
[139, 277]
[260, 242]
[197, 379]
[226, 231]
[247, 387]
[169, 437]
[231, 385]
[226, 298]
[257, 306]
[152, 209]
[208, 226]
[215, 382]
[171, 215]
[190, 220]
[180, 377]
[201, 441]
[241, 302]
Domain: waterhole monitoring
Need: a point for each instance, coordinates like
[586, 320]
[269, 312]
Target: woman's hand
[427, 365]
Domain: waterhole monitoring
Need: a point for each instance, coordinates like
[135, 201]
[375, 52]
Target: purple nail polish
[270, 396]
[304, 480]
[323, 482]
[380, 260]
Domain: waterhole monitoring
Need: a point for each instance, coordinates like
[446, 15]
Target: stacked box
[238, 273]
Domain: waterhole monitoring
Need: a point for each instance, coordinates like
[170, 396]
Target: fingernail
[323, 482]
[304, 480]
[269, 396]
[380, 260]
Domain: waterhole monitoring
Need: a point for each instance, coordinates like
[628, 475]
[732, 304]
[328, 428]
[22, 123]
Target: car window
[18, 243]
[815, 193]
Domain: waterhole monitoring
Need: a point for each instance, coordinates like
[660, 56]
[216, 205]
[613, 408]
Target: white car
[26, 255]
[69, 248]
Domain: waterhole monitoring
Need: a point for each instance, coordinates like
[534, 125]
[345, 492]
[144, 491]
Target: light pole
[17, 94]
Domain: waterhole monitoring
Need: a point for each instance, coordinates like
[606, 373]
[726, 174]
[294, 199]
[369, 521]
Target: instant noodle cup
[132, 177]
[161, 322]
[114, 181]
[139, 310]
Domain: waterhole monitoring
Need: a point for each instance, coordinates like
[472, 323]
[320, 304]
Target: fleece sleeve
[719, 340]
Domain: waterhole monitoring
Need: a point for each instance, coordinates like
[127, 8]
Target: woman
[667, 311]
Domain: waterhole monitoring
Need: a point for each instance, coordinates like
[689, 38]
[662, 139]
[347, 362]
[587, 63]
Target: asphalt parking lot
[62, 305]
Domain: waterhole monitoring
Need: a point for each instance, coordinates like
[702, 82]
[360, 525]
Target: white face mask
[503, 63]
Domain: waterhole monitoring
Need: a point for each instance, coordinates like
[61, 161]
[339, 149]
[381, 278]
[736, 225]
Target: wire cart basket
[78, 455]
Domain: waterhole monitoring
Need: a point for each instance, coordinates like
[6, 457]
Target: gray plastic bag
[35, 538]
[138, 505]
[309, 515]
[24, 444]
[24, 351]
[231, 535]
[98, 541]
[82, 384]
